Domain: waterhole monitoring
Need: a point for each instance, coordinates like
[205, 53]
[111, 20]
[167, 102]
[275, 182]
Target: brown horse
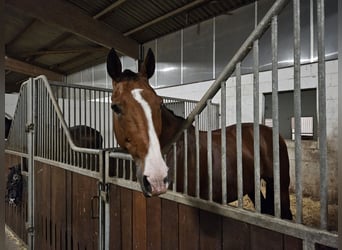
[143, 125]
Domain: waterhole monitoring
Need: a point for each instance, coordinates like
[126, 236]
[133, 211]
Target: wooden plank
[262, 238]
[84, 227]
[188, 227]
[43, 202]
[31, 70]
[126, 218]
[115, 217]
[58, 207]
[154, 223]
[235, 234]
[291, 243]
[72, 19]
[139, 221]
[210, 231]
[170, 229]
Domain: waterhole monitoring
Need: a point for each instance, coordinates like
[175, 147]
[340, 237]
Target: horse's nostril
[166, 180]
[147, 184]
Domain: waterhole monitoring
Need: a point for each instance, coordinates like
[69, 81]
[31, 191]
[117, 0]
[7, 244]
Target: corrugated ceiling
[40, 42]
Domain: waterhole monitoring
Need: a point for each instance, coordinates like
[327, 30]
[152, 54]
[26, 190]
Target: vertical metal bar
[223, 142]
[209, 154]
[185, 161]
[30, 145]
[256, 125]
[174, 167]
[239, 136]
[297, 110]
[275, 117]
[308, 245]
[322, 114]
[197, 156]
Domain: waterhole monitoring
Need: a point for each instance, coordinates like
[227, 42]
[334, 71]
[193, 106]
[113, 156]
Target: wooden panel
[154, 223]
[115, 218]
[291, 243]
[236, 235]
[43, 202]
[58, 207]
[139, 221]
[170, 229]
[126, 218]
[188, 227]
[84, 227]
[210, 231]
[262, 238]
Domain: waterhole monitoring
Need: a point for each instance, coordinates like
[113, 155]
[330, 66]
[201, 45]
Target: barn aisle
[13, 242]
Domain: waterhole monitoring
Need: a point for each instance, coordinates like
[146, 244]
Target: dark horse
[85, 136]
[14, 185]
[143, 125]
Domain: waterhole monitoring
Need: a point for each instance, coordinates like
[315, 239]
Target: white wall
[11, 103]
[309, 77]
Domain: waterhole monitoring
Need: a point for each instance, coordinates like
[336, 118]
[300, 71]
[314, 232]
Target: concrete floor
[12, 241]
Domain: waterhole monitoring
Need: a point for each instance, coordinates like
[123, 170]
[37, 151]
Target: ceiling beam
[63, 51]
[169, 14]
[70, 18]
[109, 9]
[15, 65]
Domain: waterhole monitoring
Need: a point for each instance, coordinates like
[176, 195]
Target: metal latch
[29, 228]
[104, 192]
[29, 127]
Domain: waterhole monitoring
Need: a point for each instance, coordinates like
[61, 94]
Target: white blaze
[155, 167]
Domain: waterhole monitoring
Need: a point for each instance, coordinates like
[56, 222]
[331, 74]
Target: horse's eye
[116, 108]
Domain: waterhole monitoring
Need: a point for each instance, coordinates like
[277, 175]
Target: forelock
[127, 75]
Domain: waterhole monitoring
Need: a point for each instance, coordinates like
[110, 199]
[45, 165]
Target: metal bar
[239, 136]
[197, 157]
[223, 142]
[175, 167]
[185, 161]
[209, 155]
[297, 110]
[275, 118]
[322, 114]
[30, 145]
[230, 67]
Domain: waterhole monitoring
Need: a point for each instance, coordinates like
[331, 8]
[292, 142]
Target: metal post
[256, 125]
[322, 114]
[239, 136]
[275, 117]
[209, 155]
[223, 142]
[185, 161]
[30, 145]
[297, 111]
[197, 157]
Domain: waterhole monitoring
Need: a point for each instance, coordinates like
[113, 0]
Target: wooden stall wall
[16, 216]
[63, 217]
[140, 223]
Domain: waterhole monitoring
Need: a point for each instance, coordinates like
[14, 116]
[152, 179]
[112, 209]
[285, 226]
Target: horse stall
[81, 190]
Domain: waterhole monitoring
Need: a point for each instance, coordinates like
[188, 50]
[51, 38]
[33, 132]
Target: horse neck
[171, 124]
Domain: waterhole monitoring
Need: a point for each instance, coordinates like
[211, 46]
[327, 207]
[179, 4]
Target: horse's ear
[114, 67]
[148, 65]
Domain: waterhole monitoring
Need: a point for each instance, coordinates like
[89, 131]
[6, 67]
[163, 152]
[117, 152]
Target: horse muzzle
[154, 187]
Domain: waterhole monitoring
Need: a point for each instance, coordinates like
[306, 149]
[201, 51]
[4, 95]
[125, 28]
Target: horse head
[14, 185]
[138, 122]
